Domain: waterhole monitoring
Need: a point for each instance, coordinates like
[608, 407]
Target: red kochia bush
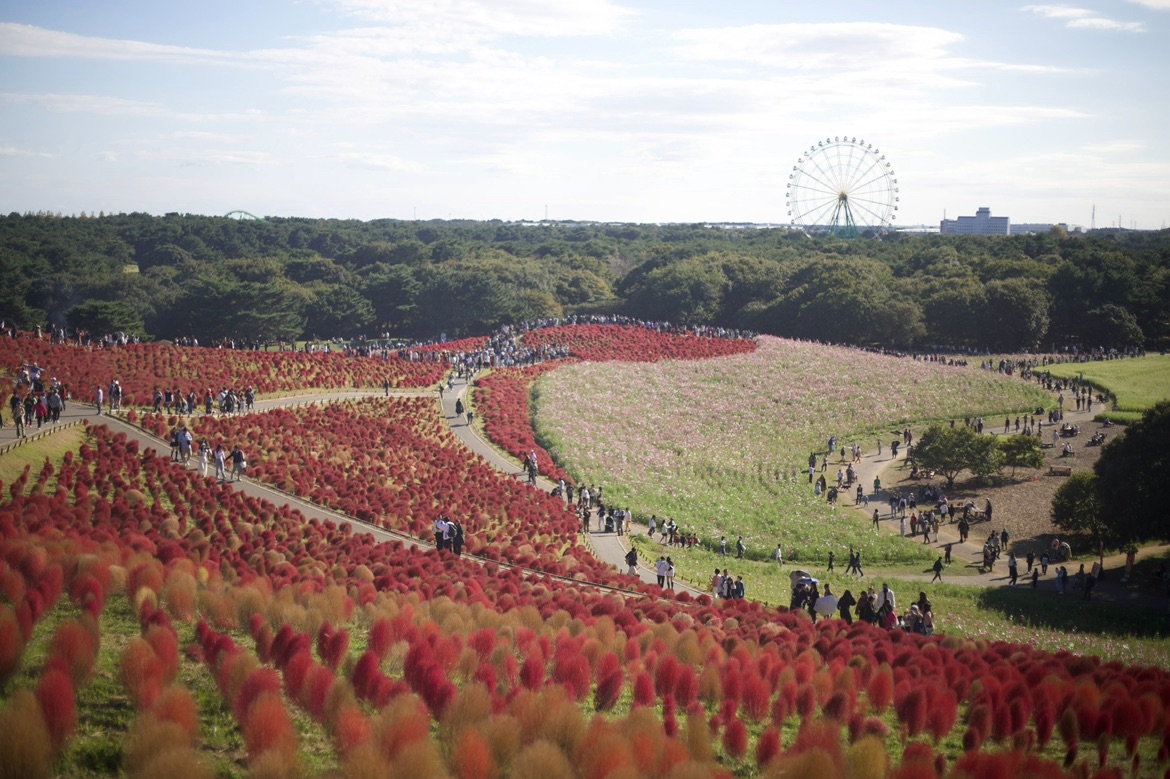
[381, 637]
[643, 690]
[74, 644]
[735, 738]
[609, 689]
[55, 694]
[268, 728]
[177, 706]
[768, 746]
[142, 673]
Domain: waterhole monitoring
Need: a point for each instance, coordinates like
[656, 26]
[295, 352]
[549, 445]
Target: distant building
[983, 223]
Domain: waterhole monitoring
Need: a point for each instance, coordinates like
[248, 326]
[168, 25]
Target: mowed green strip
[1137, 383]
[721, 446]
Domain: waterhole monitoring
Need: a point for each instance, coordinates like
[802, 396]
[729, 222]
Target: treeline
[214, 277]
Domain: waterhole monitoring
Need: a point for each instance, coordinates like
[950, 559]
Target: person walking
[938, 569]
[832, 556]
[660, 570]
[1013, 569]
[632, 562]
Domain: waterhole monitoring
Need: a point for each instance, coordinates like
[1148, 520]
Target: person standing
[779, 555]
[739, 548]
[832, 557]
[844, 605]
[98, 398]
[669, 574]
[220, 463]
[660, 569]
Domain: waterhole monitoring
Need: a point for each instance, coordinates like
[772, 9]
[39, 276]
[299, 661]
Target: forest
[273, 279]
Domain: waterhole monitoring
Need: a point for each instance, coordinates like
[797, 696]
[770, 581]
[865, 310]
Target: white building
[983, 223]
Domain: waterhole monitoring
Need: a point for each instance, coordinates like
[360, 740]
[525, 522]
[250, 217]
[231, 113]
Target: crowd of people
[37, 400]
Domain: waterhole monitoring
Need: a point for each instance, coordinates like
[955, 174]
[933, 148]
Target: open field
[721, 446]
[1137, 383]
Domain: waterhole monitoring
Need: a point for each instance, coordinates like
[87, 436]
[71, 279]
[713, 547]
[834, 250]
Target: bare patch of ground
[1022, 503]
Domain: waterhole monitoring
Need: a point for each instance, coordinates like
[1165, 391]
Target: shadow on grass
[1114, 610]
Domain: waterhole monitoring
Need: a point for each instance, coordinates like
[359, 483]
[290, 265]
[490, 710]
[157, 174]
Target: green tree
[985, 456]
[1133, 479]
[948, 451]
[1016, 315]
[1021, 451]
[100, 317]
[339, 311]
[1076, 507]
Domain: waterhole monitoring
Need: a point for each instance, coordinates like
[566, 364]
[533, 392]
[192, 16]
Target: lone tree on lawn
[948, 451]
[1125, 498]
[1021, 451]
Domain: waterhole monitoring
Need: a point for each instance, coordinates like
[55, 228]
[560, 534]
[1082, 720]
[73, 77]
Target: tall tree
[1133, 479]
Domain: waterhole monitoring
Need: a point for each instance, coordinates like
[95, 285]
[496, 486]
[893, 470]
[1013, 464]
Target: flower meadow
[502, 396]
[722, 445]
[141, 603]
[142, 367]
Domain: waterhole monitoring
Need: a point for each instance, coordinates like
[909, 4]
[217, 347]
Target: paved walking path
[607, 547]
[78, 412]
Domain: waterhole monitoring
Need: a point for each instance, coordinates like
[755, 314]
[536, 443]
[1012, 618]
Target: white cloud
[374, 160]
[1153, 5]
[105, 105]
[14, 151]
[1097, 23]
[23, 40]
[546, 18]
[1085, 19]
[1059, 11]
[836, 46]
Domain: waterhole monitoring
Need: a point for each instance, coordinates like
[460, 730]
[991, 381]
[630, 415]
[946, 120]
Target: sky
[606, 110]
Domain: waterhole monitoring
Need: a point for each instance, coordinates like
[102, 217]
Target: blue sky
[619, 111]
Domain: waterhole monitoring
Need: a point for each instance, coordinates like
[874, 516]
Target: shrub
[75, 645]
[541, 760]
[735, 738]
[643, 690]
[380, 638]
[609, 689]
[176, 705]
[55, 695]
[767, 746]
[165, 644]
[471, 756]
[25, 743]
[11, 643]
[267, 728]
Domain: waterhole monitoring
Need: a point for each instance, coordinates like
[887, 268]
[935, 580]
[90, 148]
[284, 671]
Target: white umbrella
[825, 605]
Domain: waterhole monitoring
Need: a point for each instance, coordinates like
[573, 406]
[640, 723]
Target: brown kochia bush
[24, 740]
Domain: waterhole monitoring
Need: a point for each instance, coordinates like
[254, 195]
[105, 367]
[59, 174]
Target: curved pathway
[86, 412]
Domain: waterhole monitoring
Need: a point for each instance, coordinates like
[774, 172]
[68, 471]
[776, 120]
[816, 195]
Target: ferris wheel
[843, 186]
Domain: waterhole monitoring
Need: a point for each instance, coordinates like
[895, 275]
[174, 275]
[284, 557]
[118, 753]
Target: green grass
[33, 454]
[1137, 384]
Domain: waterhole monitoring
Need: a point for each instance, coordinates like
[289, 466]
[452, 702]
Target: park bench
[1060, 470]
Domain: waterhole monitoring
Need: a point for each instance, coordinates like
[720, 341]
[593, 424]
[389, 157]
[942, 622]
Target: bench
[1060, 470]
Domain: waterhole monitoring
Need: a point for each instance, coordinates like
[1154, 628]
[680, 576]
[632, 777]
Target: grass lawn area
[33, 454]
[1137, 383]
